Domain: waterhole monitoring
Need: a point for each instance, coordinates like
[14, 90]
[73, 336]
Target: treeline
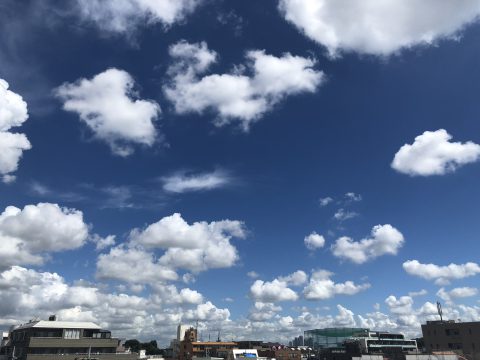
[151, 347]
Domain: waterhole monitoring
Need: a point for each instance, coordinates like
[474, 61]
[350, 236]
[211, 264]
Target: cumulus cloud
[13, 112]
[142, 266]
[432, 153]
[28, 234]
[385, 239]
[418, 293]
[196, 247]
[314, 241]
[125, 16]
[296, 278]
[243, 95]
[370, 27]
[110, 107]
[442, 275]
[272, 291]
[351, 196]
[321, 287]
[180, 183]
[263, 311]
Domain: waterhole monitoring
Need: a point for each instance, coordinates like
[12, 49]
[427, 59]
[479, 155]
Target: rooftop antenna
[218, 338]
[440, 311]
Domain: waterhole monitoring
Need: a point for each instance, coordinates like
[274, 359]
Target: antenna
[218, 339]
[440, 311]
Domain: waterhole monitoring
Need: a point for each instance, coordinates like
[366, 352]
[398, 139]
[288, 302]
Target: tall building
[190, 347]
[461, 337]
[62, 340]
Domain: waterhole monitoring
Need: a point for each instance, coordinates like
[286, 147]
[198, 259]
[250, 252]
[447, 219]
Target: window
[71, 334]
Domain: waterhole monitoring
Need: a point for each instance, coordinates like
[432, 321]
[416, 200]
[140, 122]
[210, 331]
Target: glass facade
[331, 337]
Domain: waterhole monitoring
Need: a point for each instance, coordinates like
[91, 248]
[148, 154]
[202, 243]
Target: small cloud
[342, 215]
[314, 241]
[418, 293]
[102, 243]
[188, 278]
[351, 196]
[182, 182]
[325, 201]
[253, 274]
[228, 299]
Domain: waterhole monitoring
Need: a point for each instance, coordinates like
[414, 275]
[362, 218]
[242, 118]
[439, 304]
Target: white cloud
[13, 112]
[272, 291]
[441, 274]
[325, 201]
[400, 306]
[102, 243]
[142, 266]
[27, 234]
[296, 278]
[124, 16]
[351, 196]
[460, 292]
[263, 311]
[432, 153]
[314, 241]
[378, 28]
[195, 247]
[253, 274]
[236, 96]
[321, 287]
[418, 293]
[208, 312]
[180, 183]
[385, 239]
[110, 107]
[342, 215]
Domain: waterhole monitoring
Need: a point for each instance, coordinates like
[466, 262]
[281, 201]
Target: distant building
[298, 341]
[461, 337]
[331, 337]
[62, 340]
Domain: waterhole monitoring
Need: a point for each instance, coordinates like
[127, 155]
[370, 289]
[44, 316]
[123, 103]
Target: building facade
[461, 337]
[62, 340]
[331, 337]
[384, 342]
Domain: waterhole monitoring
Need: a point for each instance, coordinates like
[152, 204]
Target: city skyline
[263, 168]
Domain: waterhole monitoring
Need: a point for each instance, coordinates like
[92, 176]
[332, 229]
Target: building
[331, 337]
[384, 342]
[191, 348]
[461, 337]
[62, 340]
[281, 353]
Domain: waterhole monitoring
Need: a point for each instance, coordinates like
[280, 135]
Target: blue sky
[261, 123]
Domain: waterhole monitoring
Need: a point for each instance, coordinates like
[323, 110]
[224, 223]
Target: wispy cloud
[183, 182]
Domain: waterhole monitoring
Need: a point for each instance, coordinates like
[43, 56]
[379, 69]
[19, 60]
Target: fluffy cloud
[13, 112]
[370, 27]
[263, 311]
[26, 234]
[461, 292]
[432, 153]
[272, 291]
[321, 287]
[142, 266]
[180, 183]
[195, 247]
[441, 274]
[125, 16]
[296, 278]
[385, 239]
[108, 105]
[236, 96]
[314, 241]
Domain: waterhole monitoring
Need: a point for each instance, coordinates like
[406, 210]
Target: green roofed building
[331, 337]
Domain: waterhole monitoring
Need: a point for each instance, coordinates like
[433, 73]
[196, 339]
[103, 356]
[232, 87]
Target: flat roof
[59, 325]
